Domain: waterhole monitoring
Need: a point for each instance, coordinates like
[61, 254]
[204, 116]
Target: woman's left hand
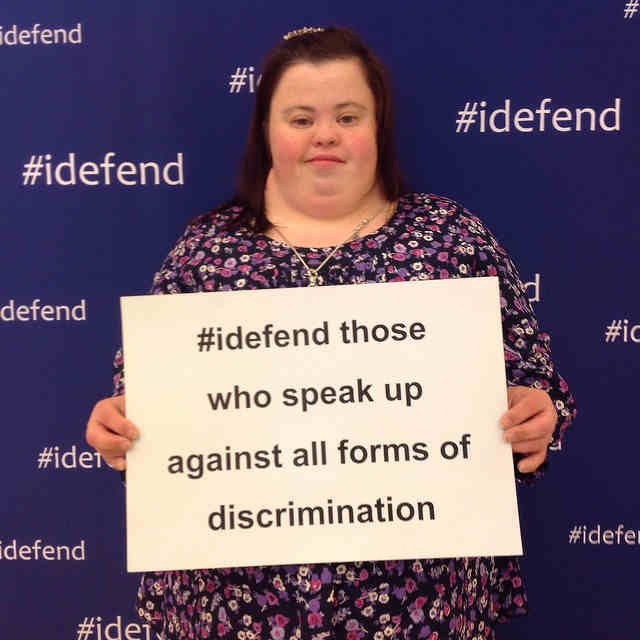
[528, 425]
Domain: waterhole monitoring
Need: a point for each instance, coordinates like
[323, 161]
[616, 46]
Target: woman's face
[322, 133]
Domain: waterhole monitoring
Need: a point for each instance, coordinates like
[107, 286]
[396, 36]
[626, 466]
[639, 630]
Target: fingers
[110, 433]
[528, 425]
[110, 413]
[111, 447]
[523, 440]
[531, 415]
[530, 446]
[530, 463]
[524, 403]
[119, 464]
[540, 427]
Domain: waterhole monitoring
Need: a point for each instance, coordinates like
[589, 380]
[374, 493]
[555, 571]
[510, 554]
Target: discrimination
[228, 517]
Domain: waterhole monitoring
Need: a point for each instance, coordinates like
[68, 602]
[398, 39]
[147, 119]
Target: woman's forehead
[333, 81]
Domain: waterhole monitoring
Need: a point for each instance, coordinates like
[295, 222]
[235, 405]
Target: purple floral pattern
[428, 237]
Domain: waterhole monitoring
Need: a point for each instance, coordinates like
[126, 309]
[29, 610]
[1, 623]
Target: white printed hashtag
[44, 458]
[631, 8]
[613, 331]
[33, 170]
[85, 629]
[574, 535]
[466, 117]
[238, 80]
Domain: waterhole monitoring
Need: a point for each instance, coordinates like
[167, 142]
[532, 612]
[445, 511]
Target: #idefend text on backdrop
[120, 128]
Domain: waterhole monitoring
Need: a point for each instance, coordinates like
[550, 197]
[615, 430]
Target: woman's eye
[301, 122]
[348, 119]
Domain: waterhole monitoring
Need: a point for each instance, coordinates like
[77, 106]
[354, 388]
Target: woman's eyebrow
[297, 107]
[337, 107]
[344, 105]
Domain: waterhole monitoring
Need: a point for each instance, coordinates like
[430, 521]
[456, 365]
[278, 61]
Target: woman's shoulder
[218, 221]
[207, 230]
[440, 213]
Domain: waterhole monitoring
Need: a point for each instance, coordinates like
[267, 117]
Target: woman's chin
[325, 189]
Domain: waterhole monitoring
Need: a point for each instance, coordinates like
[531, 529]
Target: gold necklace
[312, 274]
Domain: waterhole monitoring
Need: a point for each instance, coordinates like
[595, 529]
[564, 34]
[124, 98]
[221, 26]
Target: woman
[320, 202]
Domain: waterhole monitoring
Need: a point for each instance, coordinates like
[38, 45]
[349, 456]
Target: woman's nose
[325, 134]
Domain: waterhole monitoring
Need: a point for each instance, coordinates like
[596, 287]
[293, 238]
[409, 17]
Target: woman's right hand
[110, 433]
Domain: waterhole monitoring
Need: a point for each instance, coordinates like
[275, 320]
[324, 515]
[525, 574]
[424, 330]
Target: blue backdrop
[170, 85]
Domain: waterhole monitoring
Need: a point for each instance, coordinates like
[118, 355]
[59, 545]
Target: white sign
[318, 424]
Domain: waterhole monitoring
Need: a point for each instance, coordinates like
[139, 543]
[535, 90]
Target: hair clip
[301, 32]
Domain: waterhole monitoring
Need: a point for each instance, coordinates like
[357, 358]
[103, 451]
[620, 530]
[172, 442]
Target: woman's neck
[324, 222]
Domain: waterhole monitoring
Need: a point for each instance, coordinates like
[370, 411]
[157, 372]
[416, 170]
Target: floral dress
[428, 237]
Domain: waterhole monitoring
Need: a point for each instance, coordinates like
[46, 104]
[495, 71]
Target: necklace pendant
[313, 277]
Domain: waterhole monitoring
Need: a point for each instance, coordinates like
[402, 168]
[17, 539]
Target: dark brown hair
[332, 43]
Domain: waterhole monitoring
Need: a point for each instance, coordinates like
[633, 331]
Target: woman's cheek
[363, 146]
[287, 149]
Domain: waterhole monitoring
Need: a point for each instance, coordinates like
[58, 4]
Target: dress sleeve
[527, 349]
[174, 276]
